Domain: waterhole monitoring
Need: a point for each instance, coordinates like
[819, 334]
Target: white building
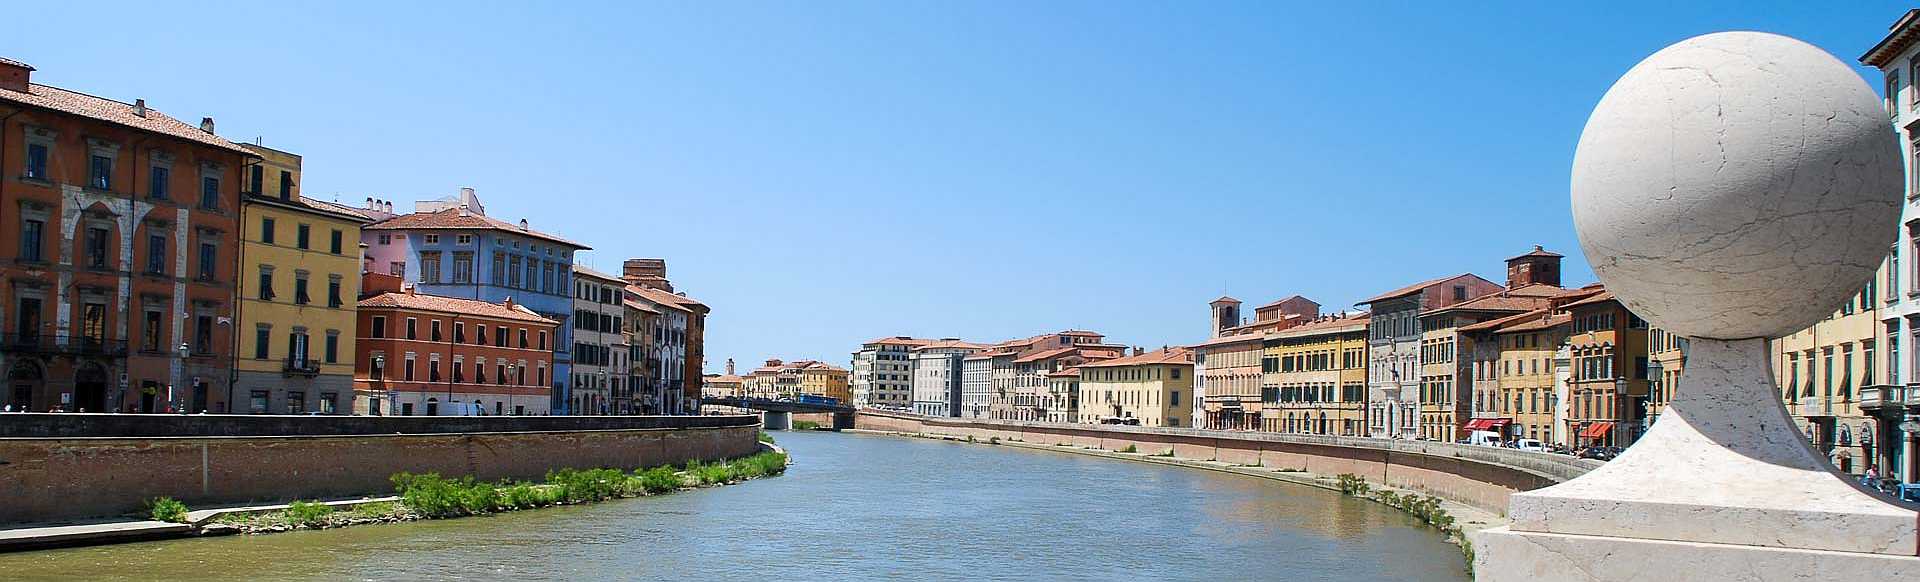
[599, 349]
[976, 389]
[883, 372]
[937, 368]
[1892, 395]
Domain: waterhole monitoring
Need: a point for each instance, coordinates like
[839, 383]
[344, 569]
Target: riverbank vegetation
[805, 425]
[166, 509]
[1426, 508]
[431, 496]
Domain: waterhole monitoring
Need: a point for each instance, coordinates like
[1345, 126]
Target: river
[851, 507]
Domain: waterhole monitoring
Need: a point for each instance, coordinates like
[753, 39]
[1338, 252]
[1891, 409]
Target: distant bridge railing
[775, 405]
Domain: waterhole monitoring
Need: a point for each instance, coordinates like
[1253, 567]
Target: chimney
[15, 75]
[523, 224]
[387, 207]
[410, 288]
[140, 107]
[370, 204]
[508, 303]
[206, 124]
[463, 211]
[729, 366]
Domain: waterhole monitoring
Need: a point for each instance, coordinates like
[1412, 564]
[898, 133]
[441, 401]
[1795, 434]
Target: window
[434, 329]
[203, 334]
[209, 260]
[463, 239]
[297, 346]
[266, 285]
[100, 172]
[397, 268]
[296, 402]
[385, 239]
[300, 289]
[333, 292]
[432, 239]
[286, 185]
[261, 336]
[333, 244]
[333, 347]
[150, 331]
[429, 267]
[157, 178]
[379, 327]
[499, 337]
[301, 236]
[255, 175]
[433, 368]
[413, 326]
[266, 230]
[407, 370]
[462, 268]
[523, 338]
[37, 161]
[327, 402]
[32, 234]
[210, 193]
[480, 335]
[96, 247]
[1893, 93]
[156, 254]
[459, 332]
[257, 401]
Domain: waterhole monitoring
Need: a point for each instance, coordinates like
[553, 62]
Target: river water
[852, 507]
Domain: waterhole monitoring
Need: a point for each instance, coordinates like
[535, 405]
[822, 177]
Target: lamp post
[1619, 406]
[513, 395]
[603, 385]
[379, 362]
[183, 349]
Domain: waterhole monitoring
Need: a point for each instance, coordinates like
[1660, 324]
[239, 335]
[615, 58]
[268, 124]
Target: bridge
[778, 414]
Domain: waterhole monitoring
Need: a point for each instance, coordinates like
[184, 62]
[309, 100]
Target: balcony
[54, 345]
[300, 367]
[1814, 406]
[1881, 396]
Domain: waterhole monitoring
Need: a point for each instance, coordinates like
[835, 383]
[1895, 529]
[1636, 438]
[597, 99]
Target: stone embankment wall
[66, 476]
[1484, 477]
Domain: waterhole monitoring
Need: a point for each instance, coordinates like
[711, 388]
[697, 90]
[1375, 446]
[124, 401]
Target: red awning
[1499, 422]
[1479, 424]
[1596, 430]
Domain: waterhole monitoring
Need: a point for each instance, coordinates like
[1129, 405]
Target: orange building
[427, 355]
[118, 248]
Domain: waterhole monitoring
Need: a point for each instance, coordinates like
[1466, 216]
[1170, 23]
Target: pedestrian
[1872, 477]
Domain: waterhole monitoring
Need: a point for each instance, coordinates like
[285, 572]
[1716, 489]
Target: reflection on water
[853, 507]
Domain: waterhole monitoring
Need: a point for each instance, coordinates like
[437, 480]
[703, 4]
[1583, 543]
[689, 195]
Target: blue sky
[822, 173]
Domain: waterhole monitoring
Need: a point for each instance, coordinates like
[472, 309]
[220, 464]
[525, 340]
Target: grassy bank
[431, 496]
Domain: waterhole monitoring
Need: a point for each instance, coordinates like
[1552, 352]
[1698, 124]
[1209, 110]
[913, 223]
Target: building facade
[450, 247]
[1147, 389]
[883, 372]
[1893, 399]
[1822, 371]
[600, 364]
[976, 386]
[1394, 344]
[300, 284]
[1313, 378]
[1228, 373]
[119, 247]
[427, 355]
[1609, 384]
[937, 372]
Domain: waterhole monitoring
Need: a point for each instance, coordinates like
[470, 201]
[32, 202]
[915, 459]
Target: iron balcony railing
[300, 367]
[70, 345]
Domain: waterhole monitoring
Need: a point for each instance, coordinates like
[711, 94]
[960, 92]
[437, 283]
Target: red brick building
[118, 249]
[427, 355]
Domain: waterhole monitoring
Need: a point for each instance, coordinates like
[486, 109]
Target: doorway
[90, 389]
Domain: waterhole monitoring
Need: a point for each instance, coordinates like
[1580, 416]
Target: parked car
[1485, 438]
[1530, 445]
[1599, 453]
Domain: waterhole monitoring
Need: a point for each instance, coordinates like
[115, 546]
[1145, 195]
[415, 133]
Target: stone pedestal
[1505, 555]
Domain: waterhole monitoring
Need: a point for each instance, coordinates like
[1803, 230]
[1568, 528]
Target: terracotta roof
[1229, 339]
[727, 378]
[1411, 289]
[453, 305]
[674, 300]
[1064, 373]
[823, 366]
[950, 344]
[1498, 322]
[896, 341]
[1325, 326]
[451, 219]
[1496, 302]
[115, 112]
[1548, 322]
[1537, 290]
[1600, 297]
[337, 208]
[1277, 302]
[639, 306]
[1538, 252]
[1166, 356]
[7, 61]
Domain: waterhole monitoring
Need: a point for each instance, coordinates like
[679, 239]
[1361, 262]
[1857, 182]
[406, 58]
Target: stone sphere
[1737, 185]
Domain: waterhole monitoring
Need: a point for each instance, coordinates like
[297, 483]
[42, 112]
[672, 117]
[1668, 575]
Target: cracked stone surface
[1737, 185]
[1504, 555]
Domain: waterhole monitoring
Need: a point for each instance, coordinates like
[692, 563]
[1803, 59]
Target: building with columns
[119, 245]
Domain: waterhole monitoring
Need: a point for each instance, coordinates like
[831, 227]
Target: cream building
[1148, 389]
[937, 375]
[1314, 378]
[883, 373]
[1820, 372]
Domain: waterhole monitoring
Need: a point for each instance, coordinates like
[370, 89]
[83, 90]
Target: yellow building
[1669, 354]
[1229, 382]
[1516, 373]
[1149, 389]
[822, 379]
[299, 284]
[1820, 371]
[1314, 378]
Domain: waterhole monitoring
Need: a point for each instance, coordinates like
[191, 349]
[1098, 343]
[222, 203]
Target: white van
[1485, 438]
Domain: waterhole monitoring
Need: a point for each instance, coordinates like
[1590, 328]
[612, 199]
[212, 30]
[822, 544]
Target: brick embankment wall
[1483, 477]
[61, 478]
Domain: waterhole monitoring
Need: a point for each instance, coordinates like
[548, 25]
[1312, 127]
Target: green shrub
[434, 496]
[166, 509]
[805, 425]
[581, 486]
[766, 438]
[307, 513]
[1352, 484]
[991, 441]
[1130, 449]
[658, 480]
[1169, 453]
[523, 495]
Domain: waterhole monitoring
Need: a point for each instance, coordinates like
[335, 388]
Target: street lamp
[513, 396]
[603, 385]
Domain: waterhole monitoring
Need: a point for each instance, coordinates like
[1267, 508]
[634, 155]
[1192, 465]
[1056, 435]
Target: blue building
[450, 247]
